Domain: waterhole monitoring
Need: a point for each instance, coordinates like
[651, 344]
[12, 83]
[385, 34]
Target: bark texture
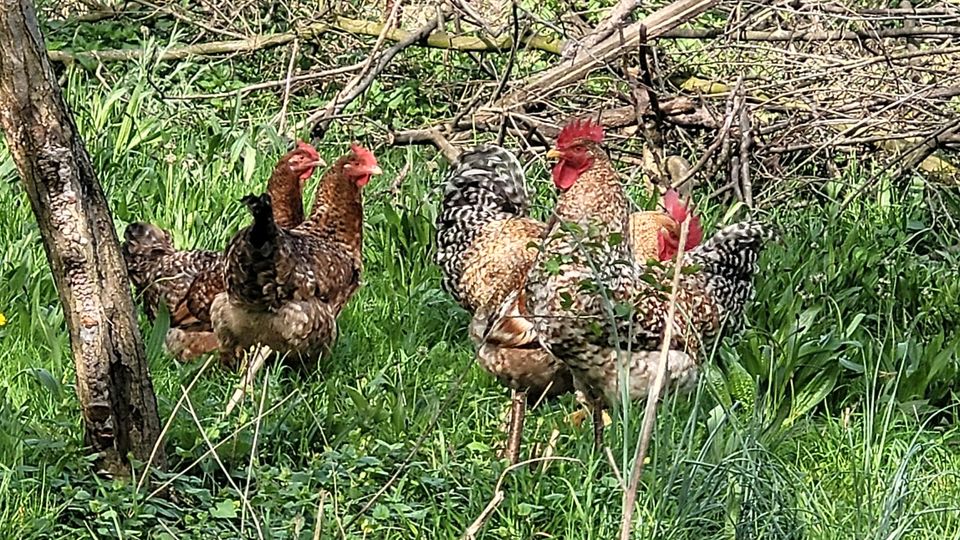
[113, 381]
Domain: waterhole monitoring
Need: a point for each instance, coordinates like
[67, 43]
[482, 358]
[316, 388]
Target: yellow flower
[3, 319]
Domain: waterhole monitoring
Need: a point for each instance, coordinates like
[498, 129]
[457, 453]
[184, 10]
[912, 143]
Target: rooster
[186, 281]
[601, 311]
[285, 287]
[485, 247]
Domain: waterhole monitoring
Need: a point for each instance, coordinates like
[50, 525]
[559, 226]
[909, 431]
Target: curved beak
[553, 153]
[375, 170]
[319, 163]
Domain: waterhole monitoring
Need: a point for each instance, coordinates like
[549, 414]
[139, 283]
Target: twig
[223, 468]
[320, 120]
[271, 84]
[513, 54]
[650, 411]
[615, 18]
[210, 451]
[616, 470]
[745, 143]
[176, 14]
[498, 495]
[253, 448]
[286, 88]
[319, 526]
[394, 189]
[719, 141]
[432, 136]
[260, 355]
[166, 427]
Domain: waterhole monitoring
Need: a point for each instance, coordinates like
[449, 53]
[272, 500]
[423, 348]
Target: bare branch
[432, 136]
[321, 119]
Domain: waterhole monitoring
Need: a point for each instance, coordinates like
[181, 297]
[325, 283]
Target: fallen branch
[789, 35]
[444, 40]
[250, 44]
[608, 50]
[679, 110]
[438, 40]
[918, 156]
[432, 136]
[907, 161]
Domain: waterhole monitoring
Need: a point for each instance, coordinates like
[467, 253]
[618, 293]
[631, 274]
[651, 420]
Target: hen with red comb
[586, 246]
[186, 281]
[285, 287]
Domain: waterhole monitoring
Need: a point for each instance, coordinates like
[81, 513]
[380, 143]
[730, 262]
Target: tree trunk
[113, 380]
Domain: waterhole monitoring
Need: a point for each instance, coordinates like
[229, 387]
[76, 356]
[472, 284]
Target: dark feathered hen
[285, 287]
[598, 310]
[160, 273]
[187, 281]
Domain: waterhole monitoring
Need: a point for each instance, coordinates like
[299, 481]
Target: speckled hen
[186, 281]
[601, 312]
[286, 287]
[486, 244]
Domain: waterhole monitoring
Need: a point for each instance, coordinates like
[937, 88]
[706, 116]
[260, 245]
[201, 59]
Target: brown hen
[186, 281]
[285, 287]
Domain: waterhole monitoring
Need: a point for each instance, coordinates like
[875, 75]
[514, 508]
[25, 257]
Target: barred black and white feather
[728, 261]
[485, 185]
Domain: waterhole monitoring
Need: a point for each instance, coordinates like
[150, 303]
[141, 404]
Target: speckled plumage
[584, 283]
[484, 251]
[187, 281]
[286, 287]
[159, 273]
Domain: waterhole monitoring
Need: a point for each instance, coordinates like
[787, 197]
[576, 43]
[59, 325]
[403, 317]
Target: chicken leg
[518, 409]
[598, 424]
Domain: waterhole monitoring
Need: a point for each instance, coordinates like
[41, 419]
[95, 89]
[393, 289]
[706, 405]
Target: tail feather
[486, 184]
[251, 256]
[264, 228]
[728, 261]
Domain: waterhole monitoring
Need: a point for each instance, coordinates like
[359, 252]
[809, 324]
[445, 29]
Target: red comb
[306, 148]
[679, 211]
[577, 129]
[363, 154]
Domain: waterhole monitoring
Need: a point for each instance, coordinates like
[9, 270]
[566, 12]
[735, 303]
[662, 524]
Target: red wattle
[564, 176]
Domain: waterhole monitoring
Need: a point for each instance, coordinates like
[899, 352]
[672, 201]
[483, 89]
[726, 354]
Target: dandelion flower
[3, 319]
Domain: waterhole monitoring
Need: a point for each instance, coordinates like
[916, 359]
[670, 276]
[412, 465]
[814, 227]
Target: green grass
[832, 416]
